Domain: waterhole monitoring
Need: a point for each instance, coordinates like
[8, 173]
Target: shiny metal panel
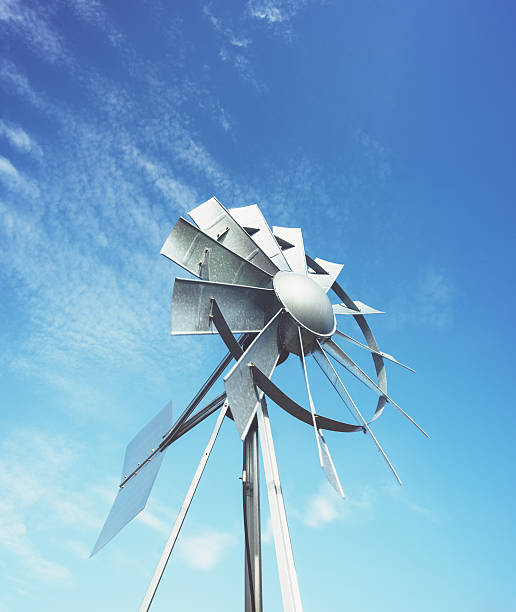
[325, 459]
[368, 348]
[295, 255]
[339, 355]
[246, 309]
[241, 392]
[147, 441]
[130, 500]
[327, 367]
[217, 222]
[325, 281]
[251, 217]
[306, 302]
[290, 595]
[167, 551]
[186, 245]
[363, 309]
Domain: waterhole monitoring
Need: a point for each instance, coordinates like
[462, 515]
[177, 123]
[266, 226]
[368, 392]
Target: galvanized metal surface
[306, 302]
[325, 281]
[252, 525]
[341, 309]
[167, 551]
[263, 352]
[327, 367]
[290, 594]
[294, 409]
[216, 221]
[252, 220]
[295, 255]
[187, 245]
[246, 309]
[325, 459]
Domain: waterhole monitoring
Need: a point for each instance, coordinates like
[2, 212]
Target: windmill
[262, 285]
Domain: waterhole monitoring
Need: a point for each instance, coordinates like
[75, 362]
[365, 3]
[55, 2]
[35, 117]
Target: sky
[386, 131]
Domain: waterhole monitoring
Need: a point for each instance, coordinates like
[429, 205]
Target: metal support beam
[290, 594]
[252, 529]
[167, 551]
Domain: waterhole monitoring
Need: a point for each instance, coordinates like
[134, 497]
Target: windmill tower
[262, 285]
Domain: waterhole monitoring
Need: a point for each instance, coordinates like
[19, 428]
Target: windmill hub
[307, 306]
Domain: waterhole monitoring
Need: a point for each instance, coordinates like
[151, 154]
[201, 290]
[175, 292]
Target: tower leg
[251, 502]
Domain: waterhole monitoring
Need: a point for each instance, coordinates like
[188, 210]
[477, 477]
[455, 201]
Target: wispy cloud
[205, 550]
[428, 304]
[326, 506]
[18, 138]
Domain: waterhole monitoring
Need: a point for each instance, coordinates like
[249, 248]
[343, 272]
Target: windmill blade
[345, 360]
[216, 221]
[195, 251]
[325, 459]
[264, 352]
[254, 223]
[327, 367]
[326, 273]
[363, 309]
[191, 306]
[141, 466]
[368, 348]
[291, 241]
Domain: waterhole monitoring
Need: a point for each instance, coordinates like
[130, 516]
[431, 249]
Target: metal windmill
[259, 283]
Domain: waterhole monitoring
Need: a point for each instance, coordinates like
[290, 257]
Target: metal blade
[363, 309]
[295, 254]
[251, 218]
[325, 459]
[339, 355]
[368, 348]
[246, 309]
[325, 281]
[327, 367]
[188, 247]
[216, 221]
[130, 500]
[241, 392]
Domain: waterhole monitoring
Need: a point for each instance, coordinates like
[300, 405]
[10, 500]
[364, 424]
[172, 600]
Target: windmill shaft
[252, 527]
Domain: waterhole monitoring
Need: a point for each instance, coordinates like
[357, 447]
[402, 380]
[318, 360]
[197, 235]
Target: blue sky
[386, 130]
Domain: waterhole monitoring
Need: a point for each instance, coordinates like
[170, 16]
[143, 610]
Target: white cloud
[205, 550]
[18, 137]
[326, 506]
[12, 179]
[33, 25]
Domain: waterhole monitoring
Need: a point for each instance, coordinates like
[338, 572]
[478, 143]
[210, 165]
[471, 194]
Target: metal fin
[216, 221]
[253, 221]
[368, 348]
[339, 355]
[327, 367]
[295, 255]
[325, 281]
[191, 306]
[363, 309]
[130, 500]
[141, 465]
[241, 392]
[325, 459]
